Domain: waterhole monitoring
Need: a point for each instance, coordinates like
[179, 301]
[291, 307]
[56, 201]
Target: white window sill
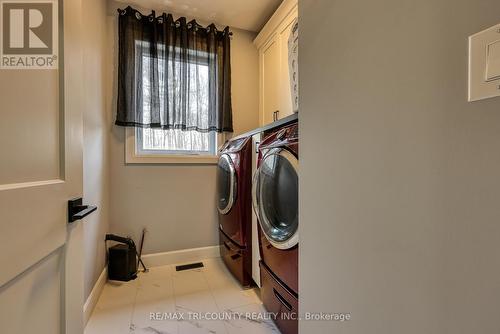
[131, 157]
[181, 159]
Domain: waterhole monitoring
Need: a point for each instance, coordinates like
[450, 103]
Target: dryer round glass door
[226, 184]
[277, 198]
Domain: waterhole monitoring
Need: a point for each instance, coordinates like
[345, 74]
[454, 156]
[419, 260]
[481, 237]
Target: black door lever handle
[78, 211]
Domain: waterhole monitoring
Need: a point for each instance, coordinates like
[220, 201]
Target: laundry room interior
[151, 179]
[180, 187]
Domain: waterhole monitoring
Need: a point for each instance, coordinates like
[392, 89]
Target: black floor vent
[189, 266]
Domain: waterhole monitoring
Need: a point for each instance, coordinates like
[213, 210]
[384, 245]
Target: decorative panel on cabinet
[275, 98]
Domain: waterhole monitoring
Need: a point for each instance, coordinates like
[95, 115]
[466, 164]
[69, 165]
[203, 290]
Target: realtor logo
[29, 34]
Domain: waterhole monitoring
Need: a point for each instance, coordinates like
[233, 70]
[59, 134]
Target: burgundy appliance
[234, 181]
[275, 200]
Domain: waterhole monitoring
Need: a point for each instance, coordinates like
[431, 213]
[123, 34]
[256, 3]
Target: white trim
[256, 139]
[286, 7]
[91, 301]
[131, 156]
[481, 87]
[13, 186]
[181, 256]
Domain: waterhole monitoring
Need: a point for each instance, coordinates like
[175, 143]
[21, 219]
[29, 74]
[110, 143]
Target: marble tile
[192, 293]
[114, 308]
[199, 302]
[215, 263]
[155, 275]
[110, 317]
[194, 299]
[220, 277]
[195, 326]
[152, 330]
[155, 286]
[250, 320]
[226, 290]
[154, 304]
[189, 281]
[199, 296]
[145, 325]
[117, 294]
[115, 321]
[227, 297]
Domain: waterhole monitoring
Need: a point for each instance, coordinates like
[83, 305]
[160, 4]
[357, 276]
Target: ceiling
[243, 14]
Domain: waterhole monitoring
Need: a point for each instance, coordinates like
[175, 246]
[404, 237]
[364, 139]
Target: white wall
[96, 138]
[400, 176]
[176, 203]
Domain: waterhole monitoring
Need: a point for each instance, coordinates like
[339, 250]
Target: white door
[285, 94]
[270, 60]
[41, 288]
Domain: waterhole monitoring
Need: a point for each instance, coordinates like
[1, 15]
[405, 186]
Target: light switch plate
[484, 64]
[493, 61]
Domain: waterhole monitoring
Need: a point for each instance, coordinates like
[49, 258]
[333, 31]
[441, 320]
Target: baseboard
[180, 256]
[151, 260]
[91, 301]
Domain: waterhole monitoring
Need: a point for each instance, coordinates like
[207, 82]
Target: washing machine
[275, 201]
[234, 182]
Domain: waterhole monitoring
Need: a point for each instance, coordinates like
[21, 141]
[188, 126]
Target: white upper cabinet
[270, 91]
[275, 99]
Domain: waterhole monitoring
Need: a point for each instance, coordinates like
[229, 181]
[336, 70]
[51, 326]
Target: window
[174, 145]
[171, 142]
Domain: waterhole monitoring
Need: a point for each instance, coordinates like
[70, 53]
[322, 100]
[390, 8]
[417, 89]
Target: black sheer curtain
[173, 74]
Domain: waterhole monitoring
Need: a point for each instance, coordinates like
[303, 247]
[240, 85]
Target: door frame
[71, 95]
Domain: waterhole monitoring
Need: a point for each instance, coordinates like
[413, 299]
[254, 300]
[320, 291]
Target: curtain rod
[153, 14]
[202, 27]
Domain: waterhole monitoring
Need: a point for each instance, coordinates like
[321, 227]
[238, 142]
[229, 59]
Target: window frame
[132, 156]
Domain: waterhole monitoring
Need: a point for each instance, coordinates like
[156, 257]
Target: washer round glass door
[226, 184]
[277, 198]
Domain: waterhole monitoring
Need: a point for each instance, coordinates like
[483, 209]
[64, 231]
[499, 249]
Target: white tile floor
[208, 292]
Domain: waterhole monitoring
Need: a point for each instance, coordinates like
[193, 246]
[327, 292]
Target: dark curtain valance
[173, 74]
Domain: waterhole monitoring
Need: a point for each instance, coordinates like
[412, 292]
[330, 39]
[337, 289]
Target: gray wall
[176, 203]
[96, 138]
[400, 176]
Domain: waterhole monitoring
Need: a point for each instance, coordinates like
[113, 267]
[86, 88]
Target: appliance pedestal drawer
[278, 300]
[235, 259]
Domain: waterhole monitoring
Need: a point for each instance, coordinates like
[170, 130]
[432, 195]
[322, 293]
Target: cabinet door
[285, 94]
[270, 80]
